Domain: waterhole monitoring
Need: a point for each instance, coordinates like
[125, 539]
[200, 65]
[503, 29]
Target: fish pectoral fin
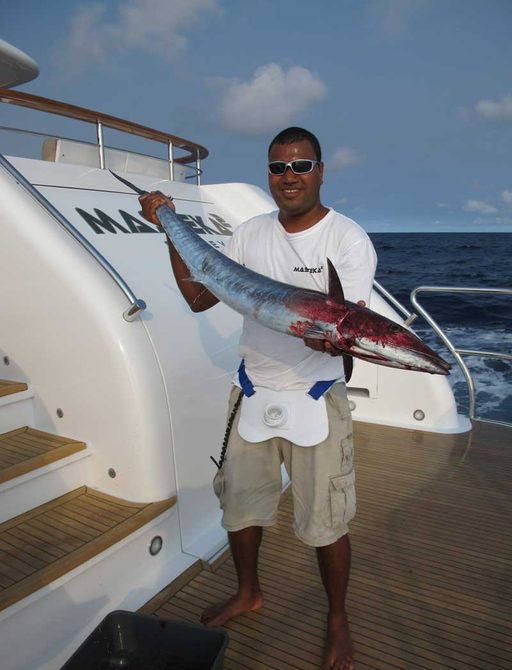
[314, 333]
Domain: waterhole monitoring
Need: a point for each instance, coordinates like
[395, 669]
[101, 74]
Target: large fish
[300, 312]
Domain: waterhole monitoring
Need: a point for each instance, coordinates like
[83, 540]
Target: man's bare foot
[218, 614]
[338, 647]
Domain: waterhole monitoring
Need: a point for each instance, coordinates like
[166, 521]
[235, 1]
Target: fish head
[375, 338]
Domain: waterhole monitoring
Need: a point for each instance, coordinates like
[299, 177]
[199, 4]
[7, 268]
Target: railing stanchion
[171, 161]
[101, 147]
[198, 167]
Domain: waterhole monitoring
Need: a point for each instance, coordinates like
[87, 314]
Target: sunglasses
[301, 166]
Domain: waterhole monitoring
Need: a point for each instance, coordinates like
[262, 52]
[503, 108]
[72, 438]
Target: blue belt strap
[316, 391]
[244, 380]
[319, 388]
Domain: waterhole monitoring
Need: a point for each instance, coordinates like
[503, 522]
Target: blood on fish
[300, 328]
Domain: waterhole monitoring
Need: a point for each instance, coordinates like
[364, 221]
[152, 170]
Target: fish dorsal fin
[335, 288]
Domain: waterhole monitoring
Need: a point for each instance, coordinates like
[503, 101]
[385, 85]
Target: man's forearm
[198, 297]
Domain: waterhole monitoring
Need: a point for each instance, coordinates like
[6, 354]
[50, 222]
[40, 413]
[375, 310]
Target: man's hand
[150, 202]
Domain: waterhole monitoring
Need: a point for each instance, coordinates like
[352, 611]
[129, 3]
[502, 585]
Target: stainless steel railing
[136, 304]
[195, 170]
[409, 316]
[457, 352]
[194, 152]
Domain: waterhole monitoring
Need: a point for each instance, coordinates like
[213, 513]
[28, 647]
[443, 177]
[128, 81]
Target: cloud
[506, 196]
[152, 26]
[446, 207]
[492, 110]
[342, 158]
[272, 98]
[495, 221]
[480, 207]
[394, 15]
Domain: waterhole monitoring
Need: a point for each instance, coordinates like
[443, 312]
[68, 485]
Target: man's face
[295, 194]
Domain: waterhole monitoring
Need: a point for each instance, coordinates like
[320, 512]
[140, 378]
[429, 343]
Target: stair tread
[26, 449]
[8, 387]
[45, 543]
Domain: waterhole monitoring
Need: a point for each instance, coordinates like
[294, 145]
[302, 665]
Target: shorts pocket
[219, 485]
[342, 494]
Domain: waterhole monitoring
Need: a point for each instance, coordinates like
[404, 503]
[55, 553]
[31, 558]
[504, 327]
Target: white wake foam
[492, 378]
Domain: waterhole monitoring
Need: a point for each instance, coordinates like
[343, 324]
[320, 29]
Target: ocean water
[482, 323]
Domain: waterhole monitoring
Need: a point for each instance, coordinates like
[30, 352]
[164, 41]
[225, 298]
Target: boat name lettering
[101, 223]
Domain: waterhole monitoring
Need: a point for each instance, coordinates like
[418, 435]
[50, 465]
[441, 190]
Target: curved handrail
[458, 353]
[196, 151]
[409, 316]
[196, 171]
[136, 304]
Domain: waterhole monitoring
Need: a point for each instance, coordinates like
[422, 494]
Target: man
[290, 245]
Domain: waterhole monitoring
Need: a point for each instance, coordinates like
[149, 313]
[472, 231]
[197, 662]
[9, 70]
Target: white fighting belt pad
[294, 415]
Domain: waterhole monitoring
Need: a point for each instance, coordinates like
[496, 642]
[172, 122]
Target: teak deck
[431, 580]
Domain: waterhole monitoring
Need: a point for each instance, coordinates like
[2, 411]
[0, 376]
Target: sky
[411, 99]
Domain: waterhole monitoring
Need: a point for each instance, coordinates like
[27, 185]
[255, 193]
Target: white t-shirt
[275, 360]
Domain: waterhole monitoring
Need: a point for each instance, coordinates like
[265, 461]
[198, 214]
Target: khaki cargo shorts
[323, 482]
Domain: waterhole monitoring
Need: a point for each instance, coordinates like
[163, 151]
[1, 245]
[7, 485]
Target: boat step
[16, 405]
[9, 387]
[45, 543]
[26, 449]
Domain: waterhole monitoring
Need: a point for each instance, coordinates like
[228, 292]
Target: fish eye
[394, 328]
